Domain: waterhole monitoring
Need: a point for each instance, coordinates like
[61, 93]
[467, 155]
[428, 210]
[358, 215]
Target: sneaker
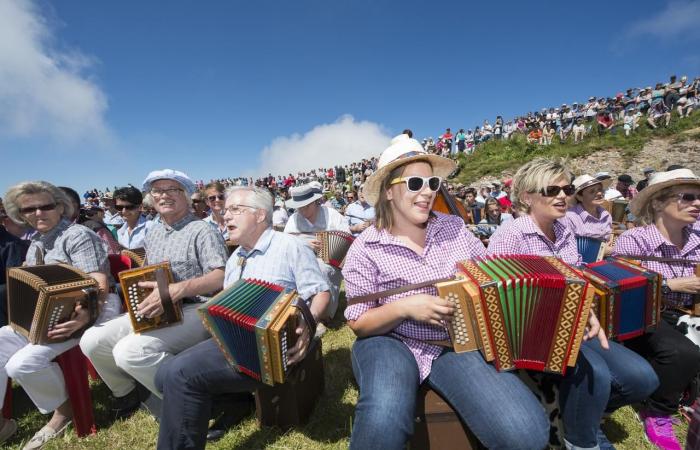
[659, 430]
[9, 427]
[603, 442]
[43, 436]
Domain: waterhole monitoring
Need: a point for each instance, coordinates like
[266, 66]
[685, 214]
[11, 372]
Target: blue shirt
[280, 259]
[135, 240]
[356, 213]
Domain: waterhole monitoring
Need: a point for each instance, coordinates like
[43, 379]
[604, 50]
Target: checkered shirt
[585, 225]
[378, 261]
[523, 237]
[192, 246]
[72, 244]
[647, 241]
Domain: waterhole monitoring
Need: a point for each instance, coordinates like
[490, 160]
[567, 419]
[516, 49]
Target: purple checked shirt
[579, 221]
[647, 241]
[523, 237]
[378, 261]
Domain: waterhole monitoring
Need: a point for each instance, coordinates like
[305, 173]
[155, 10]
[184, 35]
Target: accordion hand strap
[164, 293]
[303, 308]
[394, 291]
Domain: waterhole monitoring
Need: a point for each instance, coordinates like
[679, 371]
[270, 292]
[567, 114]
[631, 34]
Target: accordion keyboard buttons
[459, 324]
[55, 316]
[135, 293]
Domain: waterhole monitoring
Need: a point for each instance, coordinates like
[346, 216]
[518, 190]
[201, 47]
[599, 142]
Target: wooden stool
[437, 425]
[290, 404]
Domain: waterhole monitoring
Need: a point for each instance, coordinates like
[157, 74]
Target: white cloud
[341, 142]
[44, 90]
[679, 20]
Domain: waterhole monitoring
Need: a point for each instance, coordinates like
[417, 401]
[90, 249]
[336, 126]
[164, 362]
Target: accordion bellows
[590, 249]
[254, 324]
[334, 246]
[627, 297]
[137, 256]
[134, 295]
[40, 297]
[521, 311]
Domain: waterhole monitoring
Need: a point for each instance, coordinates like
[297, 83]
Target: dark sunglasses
[127, 207]
[213, 198]
[553, 191]
[32, 209]
[688, 197]
[416, 184]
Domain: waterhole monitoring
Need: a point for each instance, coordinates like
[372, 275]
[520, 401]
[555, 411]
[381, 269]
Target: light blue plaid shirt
[281, 259]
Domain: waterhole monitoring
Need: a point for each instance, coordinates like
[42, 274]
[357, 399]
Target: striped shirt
[648, 241]
[523, 237]
[585, 225]
[378, 261]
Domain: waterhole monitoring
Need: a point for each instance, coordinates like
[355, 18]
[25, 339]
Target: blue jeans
[498, 408]
[601, 380]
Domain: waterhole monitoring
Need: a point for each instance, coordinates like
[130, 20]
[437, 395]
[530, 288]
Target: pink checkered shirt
[647, 241]
[583, 224]
[377, 261]
[523, 237]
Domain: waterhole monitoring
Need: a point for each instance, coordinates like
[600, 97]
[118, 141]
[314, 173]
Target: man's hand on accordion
[152, 306]
[594, 329]
[298, 351]
[315, 245]
[79, 319]
[427, 308]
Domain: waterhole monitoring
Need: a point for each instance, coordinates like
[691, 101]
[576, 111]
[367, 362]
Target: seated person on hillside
[605, 122]
[534, 136]
[579, 131]
[586, 217]
[192, 380]
[310, 217]
[494, 217]
[659, 112]
[360, 214]
[685, 106]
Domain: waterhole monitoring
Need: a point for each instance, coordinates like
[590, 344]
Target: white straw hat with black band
[304, 195]
[581, 182]
[659, 181]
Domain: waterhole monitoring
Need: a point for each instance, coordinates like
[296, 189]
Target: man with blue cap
[197, 256]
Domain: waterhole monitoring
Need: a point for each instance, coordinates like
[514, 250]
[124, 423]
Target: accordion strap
[394, 291]
[303, 308]
[660, 259]
[164, 292]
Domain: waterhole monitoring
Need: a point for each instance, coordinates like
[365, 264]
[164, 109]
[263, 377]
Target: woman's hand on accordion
[79, 319]
[687, 285]
[315, 245]
[427, 308]
[594, 329]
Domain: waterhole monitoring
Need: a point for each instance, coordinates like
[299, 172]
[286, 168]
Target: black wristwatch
[664, 287]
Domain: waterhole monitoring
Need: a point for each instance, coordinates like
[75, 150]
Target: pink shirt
[647, 241]
[523, 237]
[378, 261]
[583, 224]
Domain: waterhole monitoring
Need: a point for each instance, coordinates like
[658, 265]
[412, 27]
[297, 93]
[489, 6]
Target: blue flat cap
[169, 174]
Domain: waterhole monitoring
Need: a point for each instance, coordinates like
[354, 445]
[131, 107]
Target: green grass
[494, 157]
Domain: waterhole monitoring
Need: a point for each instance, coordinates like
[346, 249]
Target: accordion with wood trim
[254, 324]
[590, 249]
[135, 294]
[136, 255]
[521, 311]
[41, 297]
[627, 297]
[334, 246]
[618, 210]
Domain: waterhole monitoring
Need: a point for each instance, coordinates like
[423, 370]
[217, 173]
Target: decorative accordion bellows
[134, 295]
[254, 324]
[627, 297]
[590, 249]
[521, 311]
[136, 255]
[40, 297]
[334, 246]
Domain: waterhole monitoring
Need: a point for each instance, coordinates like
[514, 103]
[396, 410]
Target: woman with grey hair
[47, 209]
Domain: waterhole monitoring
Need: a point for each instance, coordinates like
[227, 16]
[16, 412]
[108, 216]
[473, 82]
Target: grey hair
[34, 187]
[258, 198]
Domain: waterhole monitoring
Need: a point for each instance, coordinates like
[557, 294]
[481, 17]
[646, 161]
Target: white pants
[120, 356]
[335, 277]
[32, 365]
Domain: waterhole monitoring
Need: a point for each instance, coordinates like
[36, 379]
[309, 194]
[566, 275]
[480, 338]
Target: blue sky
[97, 93]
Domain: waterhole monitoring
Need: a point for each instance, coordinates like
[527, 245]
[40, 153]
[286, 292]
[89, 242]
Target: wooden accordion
[136, 255]
[590, 249]
[618, 210]
[254, 324]
[627, 297]
[334, 246]
[41, 297]
[521, 311]
[134, 295]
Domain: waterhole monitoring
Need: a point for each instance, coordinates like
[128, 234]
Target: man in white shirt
[279, 215]
[310, 217]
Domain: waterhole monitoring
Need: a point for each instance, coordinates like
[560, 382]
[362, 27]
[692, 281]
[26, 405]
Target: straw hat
[403, 150]
[304, 194]
[659, 181]
[583, 181]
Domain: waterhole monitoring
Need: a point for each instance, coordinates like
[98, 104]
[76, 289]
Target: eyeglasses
[236, 209]
[169, 191]
[127, 207]
[688, 197]
[197, 201]
[416, 183]
[213, 198]
[553, 191]
[31, 210]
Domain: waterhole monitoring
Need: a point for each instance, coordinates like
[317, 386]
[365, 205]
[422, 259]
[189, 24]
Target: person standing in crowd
[360, 214]
[197, 256]
[128, 201]
[461, 141]
[48, 209]
[214, 196]
[607, 376]
[396, 348]
[668, 208]
[648, 172]
[194, 378]
[311, 217]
